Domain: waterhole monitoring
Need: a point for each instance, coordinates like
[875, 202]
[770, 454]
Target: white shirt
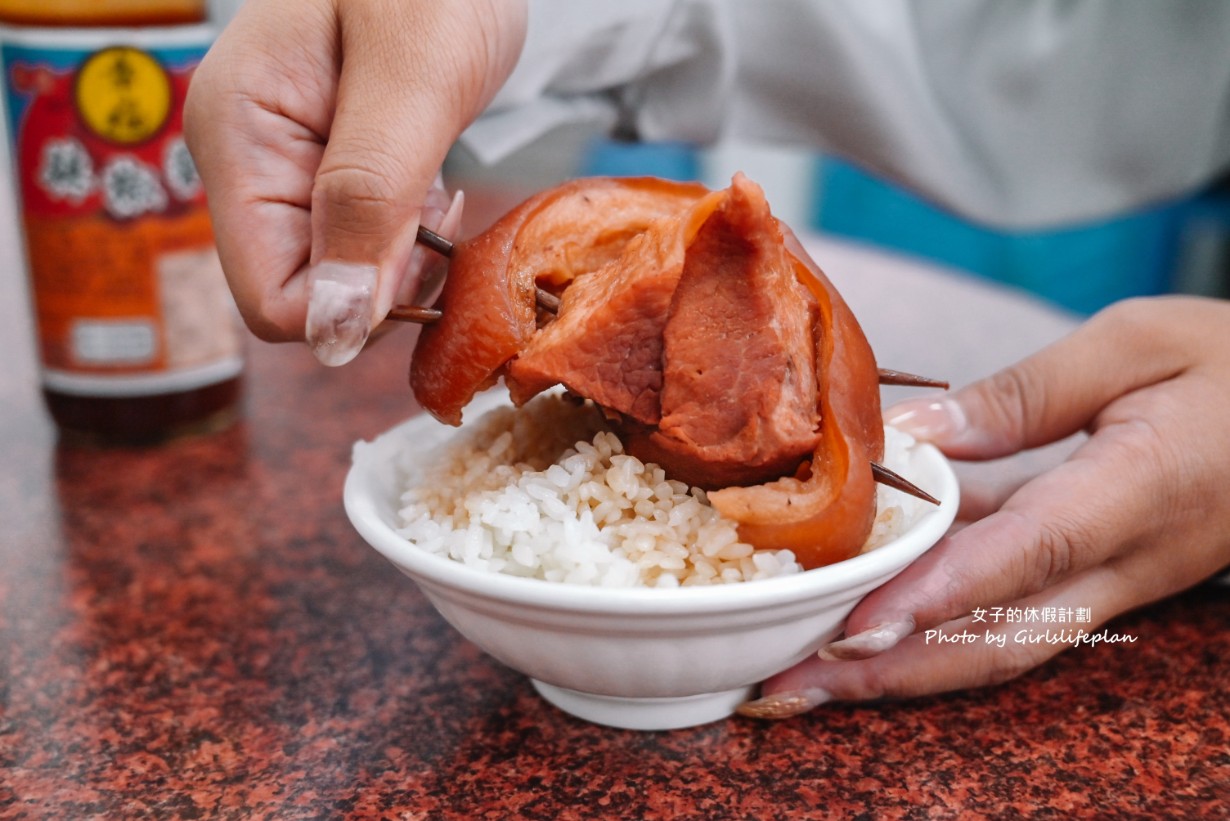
[1019, 113]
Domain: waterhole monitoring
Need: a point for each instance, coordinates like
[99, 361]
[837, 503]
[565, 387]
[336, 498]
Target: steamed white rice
[546, 492]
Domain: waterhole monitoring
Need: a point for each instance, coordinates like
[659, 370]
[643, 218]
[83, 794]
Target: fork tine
[425, 316]
[898, 482]
[435, 242]
[891, 377]
[415, 314]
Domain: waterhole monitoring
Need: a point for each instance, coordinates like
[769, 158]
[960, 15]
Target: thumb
[1050, 395]
[412, 76]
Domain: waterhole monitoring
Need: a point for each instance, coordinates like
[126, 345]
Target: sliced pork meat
[695, 319]
[488, 298]
[825, 512]
[606, 342]
[738, 399]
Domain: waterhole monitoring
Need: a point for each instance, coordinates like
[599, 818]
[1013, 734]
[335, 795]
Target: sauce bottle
[138, 337]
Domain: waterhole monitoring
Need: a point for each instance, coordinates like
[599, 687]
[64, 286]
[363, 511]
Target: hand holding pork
[319, 129]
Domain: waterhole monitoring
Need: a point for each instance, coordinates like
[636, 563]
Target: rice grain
[546, 492]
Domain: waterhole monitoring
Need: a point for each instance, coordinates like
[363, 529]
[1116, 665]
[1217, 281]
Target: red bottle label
[128, 292]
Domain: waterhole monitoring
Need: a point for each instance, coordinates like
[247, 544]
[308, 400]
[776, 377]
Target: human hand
[318, 128]
[1137, 513]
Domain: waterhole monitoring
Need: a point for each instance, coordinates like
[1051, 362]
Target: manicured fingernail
[870, 642]
[339, 316]
[450, 223]
[435, 203]
[784, 705]
[426, 268]
[928, 419]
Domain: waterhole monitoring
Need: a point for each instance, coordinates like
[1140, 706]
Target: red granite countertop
[196, 631]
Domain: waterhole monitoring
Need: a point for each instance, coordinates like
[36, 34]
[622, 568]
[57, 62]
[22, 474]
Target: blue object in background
[612, 158]
[1083, 267]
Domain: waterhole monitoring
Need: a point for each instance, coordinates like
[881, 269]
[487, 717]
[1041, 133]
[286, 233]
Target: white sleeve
[592, 62]
[1017, 114]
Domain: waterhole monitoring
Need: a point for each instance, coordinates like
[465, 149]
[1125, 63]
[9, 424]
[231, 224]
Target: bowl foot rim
[670, 713]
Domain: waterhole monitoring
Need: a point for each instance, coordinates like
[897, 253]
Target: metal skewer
[415, 313]
[898, 482]
[891, 377]
[425, 316]
[435, 242]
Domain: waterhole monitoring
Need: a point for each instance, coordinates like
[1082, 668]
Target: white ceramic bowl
[643, 659]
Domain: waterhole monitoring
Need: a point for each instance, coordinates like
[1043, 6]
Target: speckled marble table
[195, 631]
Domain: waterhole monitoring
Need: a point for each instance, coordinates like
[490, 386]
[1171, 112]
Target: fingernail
[426, 268]
[870, 642]
[339, 316]
[435, 203]
[785, 704]
[928, 419]
[450, 224]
